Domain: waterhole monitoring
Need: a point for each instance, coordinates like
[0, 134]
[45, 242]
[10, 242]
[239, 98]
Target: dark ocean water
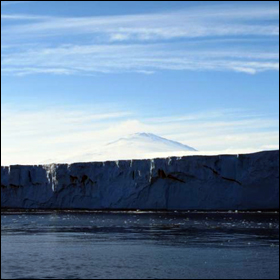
[139, 245]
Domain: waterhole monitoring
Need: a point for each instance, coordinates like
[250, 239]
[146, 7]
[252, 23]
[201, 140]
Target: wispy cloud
[20, 17]
[218, 21]
[36, 136]
[143, 43]
[7, 3]
[137, 58]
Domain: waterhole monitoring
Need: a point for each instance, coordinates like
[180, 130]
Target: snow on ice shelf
[228, 182]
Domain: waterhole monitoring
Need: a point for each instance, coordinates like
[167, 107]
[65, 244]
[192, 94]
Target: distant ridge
[152, 143]
[135, 146]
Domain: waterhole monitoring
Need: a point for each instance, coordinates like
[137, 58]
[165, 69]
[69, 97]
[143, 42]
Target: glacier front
[225, 182]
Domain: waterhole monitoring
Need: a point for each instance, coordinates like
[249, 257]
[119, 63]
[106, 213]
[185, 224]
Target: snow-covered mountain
[135, 146]
[148, 142]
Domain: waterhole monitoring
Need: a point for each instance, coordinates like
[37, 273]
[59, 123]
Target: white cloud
[76, 59]
[22, 17]
[143, 43]
[7, 3]
[38, 136]
[194, 22]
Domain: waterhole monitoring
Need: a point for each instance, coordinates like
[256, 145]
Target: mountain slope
[148, 142]
[135, 146]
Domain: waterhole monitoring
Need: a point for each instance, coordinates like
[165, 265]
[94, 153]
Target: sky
[76, 75]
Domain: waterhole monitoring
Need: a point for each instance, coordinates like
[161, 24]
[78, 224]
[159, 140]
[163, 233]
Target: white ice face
[229, 182]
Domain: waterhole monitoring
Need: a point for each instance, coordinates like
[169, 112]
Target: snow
[223, 182]
[135, 146]
[151, 143]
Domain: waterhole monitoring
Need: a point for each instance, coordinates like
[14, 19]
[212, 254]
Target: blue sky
[78, 74]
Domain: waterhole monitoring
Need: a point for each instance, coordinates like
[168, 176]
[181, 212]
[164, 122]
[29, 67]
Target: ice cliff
[243, 182]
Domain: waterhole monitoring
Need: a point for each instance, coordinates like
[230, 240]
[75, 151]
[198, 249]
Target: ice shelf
[225, 182]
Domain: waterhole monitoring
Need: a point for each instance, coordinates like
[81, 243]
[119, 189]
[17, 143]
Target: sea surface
[118, 245]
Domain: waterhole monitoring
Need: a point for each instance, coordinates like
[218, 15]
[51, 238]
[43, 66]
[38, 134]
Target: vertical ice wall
[244, 182]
